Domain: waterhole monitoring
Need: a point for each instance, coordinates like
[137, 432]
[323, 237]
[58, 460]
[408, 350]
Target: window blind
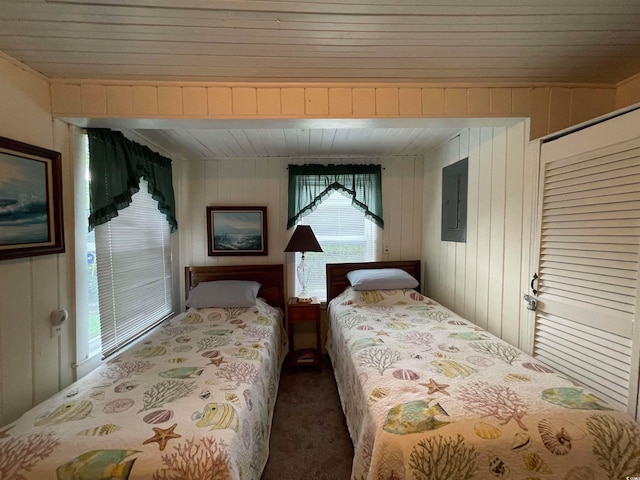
[133, 254]
[345, 235]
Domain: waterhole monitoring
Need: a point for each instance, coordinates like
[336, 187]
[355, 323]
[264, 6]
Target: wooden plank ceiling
[301, 143]
[314, 40]
[446, 41]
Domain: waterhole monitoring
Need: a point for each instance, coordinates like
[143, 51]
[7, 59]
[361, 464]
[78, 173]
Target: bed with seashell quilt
[428, 395]
[192, 400]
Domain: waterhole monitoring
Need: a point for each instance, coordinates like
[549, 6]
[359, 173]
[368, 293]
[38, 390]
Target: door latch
[532, 303]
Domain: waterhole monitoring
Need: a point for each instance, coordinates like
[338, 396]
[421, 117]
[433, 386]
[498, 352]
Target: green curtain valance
[310, 184]
[116, 165]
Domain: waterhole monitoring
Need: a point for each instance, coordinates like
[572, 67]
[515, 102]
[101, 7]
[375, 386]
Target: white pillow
[381, 279]
[224, 293]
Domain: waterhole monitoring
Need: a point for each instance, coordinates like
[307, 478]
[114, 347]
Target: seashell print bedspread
[194, 400]
[428, 395]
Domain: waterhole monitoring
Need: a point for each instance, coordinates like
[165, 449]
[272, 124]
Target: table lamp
[303, 240]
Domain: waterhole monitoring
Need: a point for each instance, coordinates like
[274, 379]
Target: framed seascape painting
[30, 200]
[237, 230]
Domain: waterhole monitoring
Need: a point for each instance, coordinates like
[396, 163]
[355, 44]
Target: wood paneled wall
[485, 278]
[264, 181]
[628, 92]
[33, 365]
[550, 108]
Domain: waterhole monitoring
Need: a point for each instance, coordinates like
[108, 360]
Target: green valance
[310, 184]
[116, 165]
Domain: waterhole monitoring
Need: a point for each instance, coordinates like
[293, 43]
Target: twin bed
[193, 400]
[426, 395]
[429, 395]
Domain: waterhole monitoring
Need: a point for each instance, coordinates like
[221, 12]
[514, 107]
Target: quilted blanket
[194, 400]
[429, 395]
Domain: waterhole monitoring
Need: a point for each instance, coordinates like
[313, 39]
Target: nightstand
[298, 312]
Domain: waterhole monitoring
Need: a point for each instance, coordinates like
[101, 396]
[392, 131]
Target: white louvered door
[586, 322]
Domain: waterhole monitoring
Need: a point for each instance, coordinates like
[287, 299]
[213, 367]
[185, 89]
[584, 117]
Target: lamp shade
[303, 240]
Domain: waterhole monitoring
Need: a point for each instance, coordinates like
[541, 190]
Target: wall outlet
[56, 331]
[385, 250]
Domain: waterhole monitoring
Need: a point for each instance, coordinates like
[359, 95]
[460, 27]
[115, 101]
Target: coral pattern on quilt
[430, 396]
[194, 400]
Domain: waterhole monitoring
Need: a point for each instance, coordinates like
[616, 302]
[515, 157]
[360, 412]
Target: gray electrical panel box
[454, 201]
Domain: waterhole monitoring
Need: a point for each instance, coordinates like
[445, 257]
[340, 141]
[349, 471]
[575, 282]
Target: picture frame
[237, 231]
[31, 219]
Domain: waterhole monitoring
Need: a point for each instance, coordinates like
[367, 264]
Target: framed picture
[237, 230]
[30, 200]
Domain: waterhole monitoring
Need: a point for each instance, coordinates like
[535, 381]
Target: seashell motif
[204, 394]
[177, 360]
[211, 354]
[522, 441]
[264, 320]
[233, 398]
[557, 441]
[71, 393]
[214, 316]
[191, 319]
[405, 374]
[580, 473]
[182, 348]
[445, 347]
[125, 386]
[246, 434]
[487, 431]
[183, 339]
[364, 327]
[247, 398]
[100, 430]
[149, 352]
[456, 322]
[378, 394]
[158, 416]
[537, 367]
[517, 377]
[497, 467]
[119, 405]
[98, 395]
[236, 321]
[480, 361]
[398, 325]
[416, 296]
[534, 463]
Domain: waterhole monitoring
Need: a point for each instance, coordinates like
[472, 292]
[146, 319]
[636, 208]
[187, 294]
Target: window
[123, 266]
[344, 234]
[133, 255]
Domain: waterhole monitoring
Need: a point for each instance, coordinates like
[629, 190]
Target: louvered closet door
[589, 252]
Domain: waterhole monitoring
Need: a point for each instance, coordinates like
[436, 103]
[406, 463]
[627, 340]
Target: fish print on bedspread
[194, 398]
[429, 395]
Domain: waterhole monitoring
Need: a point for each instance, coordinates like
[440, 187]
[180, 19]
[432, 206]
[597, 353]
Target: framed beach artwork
[237, 230]
[30, 200]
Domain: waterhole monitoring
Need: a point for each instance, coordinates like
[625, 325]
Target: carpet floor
[309, 437]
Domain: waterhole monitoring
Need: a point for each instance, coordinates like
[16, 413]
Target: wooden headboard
[337, 273]
[270, 276]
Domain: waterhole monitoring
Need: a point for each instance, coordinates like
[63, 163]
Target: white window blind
[344, 234]
[133, 255]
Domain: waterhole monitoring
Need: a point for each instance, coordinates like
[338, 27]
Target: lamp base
[304, 299]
